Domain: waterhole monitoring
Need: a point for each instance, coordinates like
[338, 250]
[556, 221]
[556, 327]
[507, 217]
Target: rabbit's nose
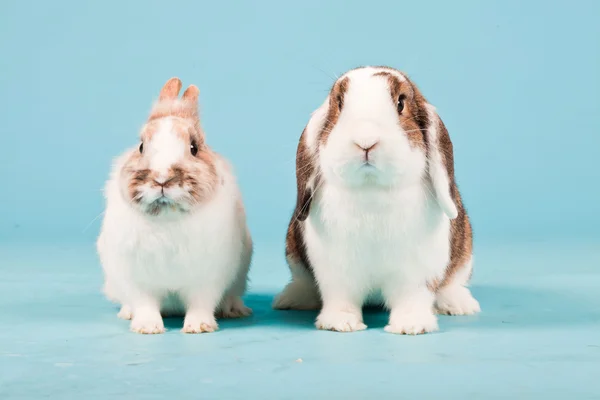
[366, 148]
[162, 182]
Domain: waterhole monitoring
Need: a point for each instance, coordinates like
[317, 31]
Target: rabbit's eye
[401, 99]
[194, 148]
[141, 148]
[340, 103]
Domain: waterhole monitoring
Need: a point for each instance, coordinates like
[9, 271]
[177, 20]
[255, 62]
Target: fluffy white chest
[178, 254]
[168, 255]
[370, 237]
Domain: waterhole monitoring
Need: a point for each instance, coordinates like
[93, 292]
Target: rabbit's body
[378, 217]
[174, 238]
[374, 239]
[170, 257]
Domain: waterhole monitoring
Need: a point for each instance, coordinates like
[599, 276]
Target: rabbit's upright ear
[191, 94]
[169, 104]
[170, 90]
[440, 162]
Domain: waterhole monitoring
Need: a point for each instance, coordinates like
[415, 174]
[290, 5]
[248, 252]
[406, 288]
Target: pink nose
[367, 148]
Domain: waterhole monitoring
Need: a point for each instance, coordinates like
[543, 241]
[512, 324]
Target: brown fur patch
[138, 178]
[336, 104]
[413, 118]
[304, 171]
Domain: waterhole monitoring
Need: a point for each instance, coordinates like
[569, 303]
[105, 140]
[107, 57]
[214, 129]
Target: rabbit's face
[373, 133]
[171, 171]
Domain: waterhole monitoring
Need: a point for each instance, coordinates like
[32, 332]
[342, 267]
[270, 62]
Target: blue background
[516, 82]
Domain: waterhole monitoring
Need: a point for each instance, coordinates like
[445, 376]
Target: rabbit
[378, 219]
[174, 239]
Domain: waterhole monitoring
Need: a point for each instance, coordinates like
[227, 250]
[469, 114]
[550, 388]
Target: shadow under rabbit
[503, 307]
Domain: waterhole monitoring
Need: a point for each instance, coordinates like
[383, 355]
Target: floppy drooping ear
[307, 169]
[304, 175]
[440, 162]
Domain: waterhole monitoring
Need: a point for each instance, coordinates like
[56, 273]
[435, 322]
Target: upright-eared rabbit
[174, 239]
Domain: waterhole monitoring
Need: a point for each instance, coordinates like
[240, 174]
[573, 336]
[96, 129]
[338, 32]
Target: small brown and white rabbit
[174, 238]
[378, 218]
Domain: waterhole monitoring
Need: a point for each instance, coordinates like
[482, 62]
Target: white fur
[437, 171]
[377, 245]
[301, 293]
[374, 233]
[165, 148]
[456, 299]
[194, 262]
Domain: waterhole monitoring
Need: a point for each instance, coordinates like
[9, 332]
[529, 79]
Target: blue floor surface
[538, 337]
